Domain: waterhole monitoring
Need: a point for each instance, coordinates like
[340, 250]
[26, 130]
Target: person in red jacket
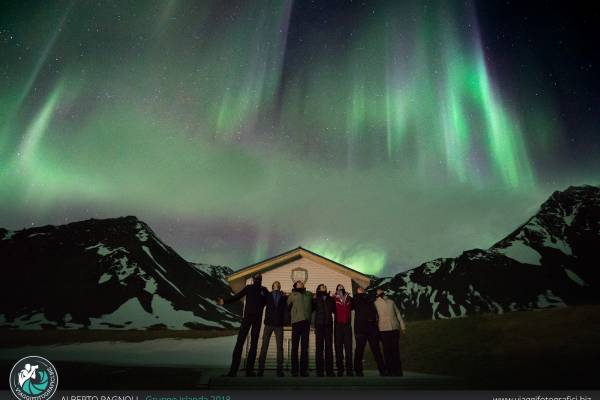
[343, 331]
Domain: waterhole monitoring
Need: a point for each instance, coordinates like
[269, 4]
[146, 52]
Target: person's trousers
[343, 346]
[267, 331]
[247, 323]
[361, 341]
[324, 348]
[391, 351]
[300, 332]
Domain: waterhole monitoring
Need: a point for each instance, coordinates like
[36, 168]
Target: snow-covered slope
[105, 274]
[216, 271]
[550, 261]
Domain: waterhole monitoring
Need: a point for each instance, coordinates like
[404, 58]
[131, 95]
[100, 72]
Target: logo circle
[33, 378]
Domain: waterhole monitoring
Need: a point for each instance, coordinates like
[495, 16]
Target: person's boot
[304, 373]
[250, 373]
[260, 373]
[280, 374]
[330, 374]
[231, 374]
[340, 373]
[294, 373]
[349, 373]
[359, 373]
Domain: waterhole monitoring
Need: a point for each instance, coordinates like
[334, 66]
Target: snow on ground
[34, 321]
[213, 352]
[549, 299]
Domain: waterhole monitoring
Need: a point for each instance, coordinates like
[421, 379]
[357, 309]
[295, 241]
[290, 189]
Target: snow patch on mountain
[575, 278]
[432, 266]
[117, 260]
[131, 315]
[549, 299]
[7, 235]
[519, 251]
[558, 244]
[216, 271]
[142, 233]
[32, 321]
[37, 234]
[147, 251]
[103, 250]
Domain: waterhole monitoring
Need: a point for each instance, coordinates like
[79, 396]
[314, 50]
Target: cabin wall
[317, 274]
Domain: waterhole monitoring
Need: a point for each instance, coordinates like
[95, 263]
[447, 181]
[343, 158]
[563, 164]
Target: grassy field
[557, 348]
[551, 349]
[14, 338]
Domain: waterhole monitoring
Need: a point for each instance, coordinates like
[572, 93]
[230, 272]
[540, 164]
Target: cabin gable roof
[291, 255]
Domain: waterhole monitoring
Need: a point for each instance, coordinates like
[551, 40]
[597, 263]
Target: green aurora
[380, 146]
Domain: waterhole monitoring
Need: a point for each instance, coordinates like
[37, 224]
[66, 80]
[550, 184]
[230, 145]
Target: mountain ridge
[542, 263]
[130, 279]
[105, 273]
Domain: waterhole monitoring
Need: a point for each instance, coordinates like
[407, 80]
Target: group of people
[375, 320]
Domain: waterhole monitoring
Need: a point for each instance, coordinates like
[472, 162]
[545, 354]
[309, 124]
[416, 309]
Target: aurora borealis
[381, 134]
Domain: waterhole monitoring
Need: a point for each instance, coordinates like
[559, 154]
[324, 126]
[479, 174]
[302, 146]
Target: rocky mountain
[106, 274]
[549, 261]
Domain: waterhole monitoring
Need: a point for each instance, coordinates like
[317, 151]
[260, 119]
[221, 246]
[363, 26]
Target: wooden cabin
[288, 267]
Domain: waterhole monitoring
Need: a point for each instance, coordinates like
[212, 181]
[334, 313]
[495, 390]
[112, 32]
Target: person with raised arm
[343, 330]
[324, 306]
[255, 295]
[390, 324]
[366, 330]
[276, 305]
[300, 303]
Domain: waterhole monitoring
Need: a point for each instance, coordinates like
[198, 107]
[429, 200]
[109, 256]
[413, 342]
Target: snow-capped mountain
[549, 261]
[106, 274]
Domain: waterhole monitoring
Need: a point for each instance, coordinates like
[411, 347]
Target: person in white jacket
[390, 324]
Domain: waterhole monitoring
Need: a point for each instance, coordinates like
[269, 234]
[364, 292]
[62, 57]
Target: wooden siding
[317, 274]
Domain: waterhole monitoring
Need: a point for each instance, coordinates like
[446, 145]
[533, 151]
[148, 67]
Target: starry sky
[381, 134]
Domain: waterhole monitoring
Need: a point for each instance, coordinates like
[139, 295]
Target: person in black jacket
[276, 303]
[255, 302]
[365, 329]
[324, 307]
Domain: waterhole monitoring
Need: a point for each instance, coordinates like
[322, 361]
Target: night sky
[379, 134]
